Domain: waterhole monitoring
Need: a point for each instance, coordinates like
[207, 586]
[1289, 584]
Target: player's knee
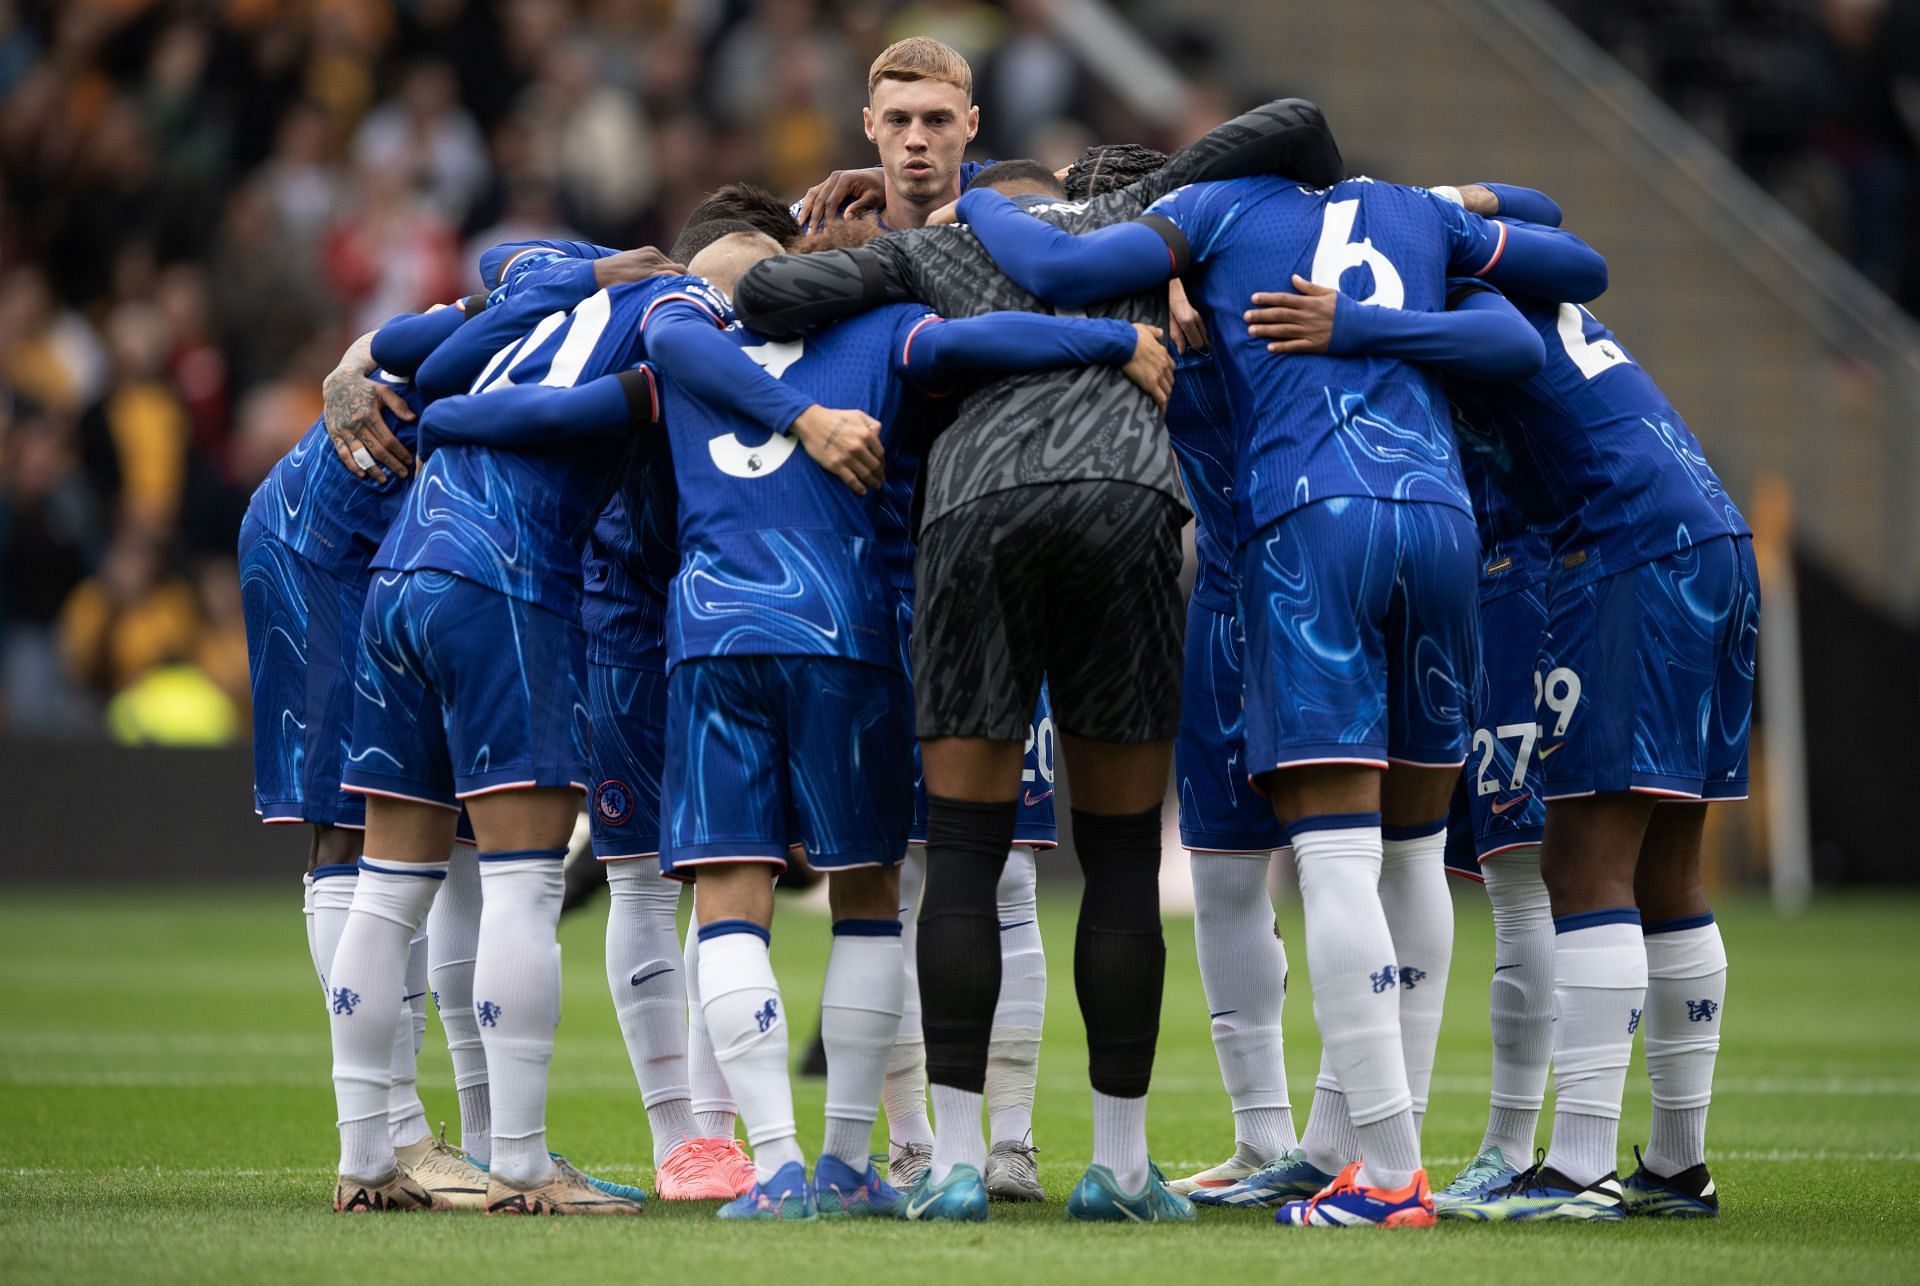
[334, 846]
[869, 893]
[734, 891]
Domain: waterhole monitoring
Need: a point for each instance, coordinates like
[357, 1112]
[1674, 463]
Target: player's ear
[973, 122]
[866, 123]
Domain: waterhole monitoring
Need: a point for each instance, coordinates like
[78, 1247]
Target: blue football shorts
[1645, 678]
[1504, 805]
[629, 712]
[1362, 635]
[461, 690]
[303, 623]
[767, 748]
[1220, 811]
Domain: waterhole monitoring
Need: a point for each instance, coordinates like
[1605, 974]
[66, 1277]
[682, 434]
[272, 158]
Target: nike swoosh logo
[1547, 752]
[914, 1211]
[1016, 924]
[1504, 968]
[1516, 801]
[415, 996]
[1032, 800]
[1223, 1013]
[639, 978]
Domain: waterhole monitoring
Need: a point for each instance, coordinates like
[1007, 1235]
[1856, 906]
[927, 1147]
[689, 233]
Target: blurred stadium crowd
[1817, 100]
[201, 204]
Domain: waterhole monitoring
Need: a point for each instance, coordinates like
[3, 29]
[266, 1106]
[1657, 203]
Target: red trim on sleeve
[906, 350]
[514, 258]
[653, 392]
[1497, 251]
[695, 300]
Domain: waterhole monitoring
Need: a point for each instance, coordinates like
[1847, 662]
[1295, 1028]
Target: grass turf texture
[166, 1117]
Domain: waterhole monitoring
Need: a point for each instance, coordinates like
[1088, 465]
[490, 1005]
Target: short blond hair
[921, 58]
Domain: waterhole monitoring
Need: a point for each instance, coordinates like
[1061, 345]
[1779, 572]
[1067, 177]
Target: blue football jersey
[318, 507]
[1311, 427]
[517, 520]
[1514, 553]
[630, 560]
[777, 556]
[1200, 426]
[1596, 450]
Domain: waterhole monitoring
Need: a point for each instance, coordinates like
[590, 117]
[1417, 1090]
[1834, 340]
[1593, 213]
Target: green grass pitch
[165, 1115]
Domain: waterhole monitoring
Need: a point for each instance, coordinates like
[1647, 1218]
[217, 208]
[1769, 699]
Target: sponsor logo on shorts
[1547, 752]
[1032, 800]
[1499, 808]
[613, 802]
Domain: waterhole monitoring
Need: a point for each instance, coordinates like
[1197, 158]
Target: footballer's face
[921, 128]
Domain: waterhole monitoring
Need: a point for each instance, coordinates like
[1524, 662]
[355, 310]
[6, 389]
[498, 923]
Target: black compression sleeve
[1288, 137]
[790, 295]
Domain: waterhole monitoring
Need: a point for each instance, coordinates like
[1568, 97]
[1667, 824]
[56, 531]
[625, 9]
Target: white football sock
[1419, 908]
[453, 943]
[956, 1136]
[904, 1092]
[1330, 1141]
[406, 1117]
[1243, 971]
[645, 973]
[1356, 992]
[1521, 1000]
[747, 1020]
[859, 1017]
[306, 914]
[1599, 989]
[364, 989]
[1120, 1139]
[332, 901]
[516, 997]
[713, 1108]
[1013, 1047]
[1686, 992]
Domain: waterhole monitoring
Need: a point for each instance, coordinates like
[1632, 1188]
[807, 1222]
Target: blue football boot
[787, 1195]
[839, 1190]
[1288, 1177]
[1687, 1195]
[1543, 1193]
[1348, 1203]
[1098, 1198]
[1483, 1174]
[961, 1197]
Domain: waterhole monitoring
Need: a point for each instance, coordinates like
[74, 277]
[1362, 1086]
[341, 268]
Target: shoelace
[1530, 1180]
[1347, 1181]
[1027, 1150]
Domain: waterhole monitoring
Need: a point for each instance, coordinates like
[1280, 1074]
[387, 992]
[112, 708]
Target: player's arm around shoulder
[789, 295]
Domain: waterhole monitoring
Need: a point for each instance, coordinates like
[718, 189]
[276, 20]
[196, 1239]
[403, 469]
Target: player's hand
[948, 213]
[845, 444]
[634, 265]
[845, 194]
[1296, 323]
[1478, 198]
[350, 405]
[1152, 366]
[1188, 327]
